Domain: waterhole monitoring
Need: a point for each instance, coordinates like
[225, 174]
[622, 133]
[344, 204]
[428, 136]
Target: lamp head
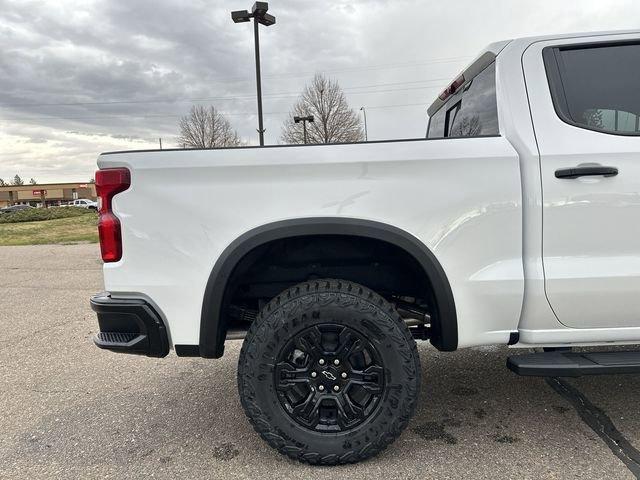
[259, 8]
[240, 16]
[266, 20]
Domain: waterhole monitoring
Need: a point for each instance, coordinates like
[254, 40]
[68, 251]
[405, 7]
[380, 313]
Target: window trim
[556, 86]
[429, 126]
[448, 120]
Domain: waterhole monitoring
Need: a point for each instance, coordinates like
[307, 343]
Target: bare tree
[33, 181]
[334, 121]
[467, 127]
[593, 117]
[17, 180]
[2, 183]
[205, 127]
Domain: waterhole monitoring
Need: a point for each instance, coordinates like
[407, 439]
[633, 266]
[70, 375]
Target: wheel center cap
[329, 375]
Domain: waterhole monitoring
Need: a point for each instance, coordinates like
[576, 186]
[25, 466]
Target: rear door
[585, 104]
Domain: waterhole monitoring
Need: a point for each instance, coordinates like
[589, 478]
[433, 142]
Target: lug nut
[321, 388]
[321, 361]
[336, 388]
[314, 374]
[336, 362]
[344, 375]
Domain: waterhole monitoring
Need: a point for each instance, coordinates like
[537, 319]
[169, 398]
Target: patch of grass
[41, 214]
[76, 229]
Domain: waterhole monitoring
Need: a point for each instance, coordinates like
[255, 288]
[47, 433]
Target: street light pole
[304, 120]
[256, 36]
[259, 15]
[366, 134]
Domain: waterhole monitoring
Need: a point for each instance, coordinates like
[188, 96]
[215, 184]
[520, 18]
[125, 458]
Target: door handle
[586, 171]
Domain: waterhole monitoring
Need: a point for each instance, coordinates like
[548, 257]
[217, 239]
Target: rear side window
[436, 124]
[596, 86]
[471, 112]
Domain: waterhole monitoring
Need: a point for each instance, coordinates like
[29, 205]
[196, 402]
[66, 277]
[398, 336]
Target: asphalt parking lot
[70, 410]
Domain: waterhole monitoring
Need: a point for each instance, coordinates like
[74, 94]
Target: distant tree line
[334, 120]
[17, 180]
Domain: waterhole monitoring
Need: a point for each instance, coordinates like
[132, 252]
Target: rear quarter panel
[460, 197]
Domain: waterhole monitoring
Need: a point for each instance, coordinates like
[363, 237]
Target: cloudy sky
[81, 77]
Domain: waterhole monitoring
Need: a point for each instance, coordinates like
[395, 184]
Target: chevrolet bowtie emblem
[329, 375]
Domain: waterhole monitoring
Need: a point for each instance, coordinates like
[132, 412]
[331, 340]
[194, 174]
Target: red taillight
[108, 183]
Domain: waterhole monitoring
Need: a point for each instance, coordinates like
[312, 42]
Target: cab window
[471, 112]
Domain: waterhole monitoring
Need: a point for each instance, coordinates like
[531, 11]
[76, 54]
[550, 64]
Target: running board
[574, 364]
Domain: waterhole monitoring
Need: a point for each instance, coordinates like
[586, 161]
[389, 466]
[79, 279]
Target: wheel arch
[212, 325]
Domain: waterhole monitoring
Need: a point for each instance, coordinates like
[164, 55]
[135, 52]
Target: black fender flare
[212, 334]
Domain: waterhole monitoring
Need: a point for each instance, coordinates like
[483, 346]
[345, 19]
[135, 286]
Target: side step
[118, 341]
[574, 364]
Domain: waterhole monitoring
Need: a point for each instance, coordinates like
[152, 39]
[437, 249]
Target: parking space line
[600, 423]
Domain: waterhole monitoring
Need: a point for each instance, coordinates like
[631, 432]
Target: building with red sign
[50, 194]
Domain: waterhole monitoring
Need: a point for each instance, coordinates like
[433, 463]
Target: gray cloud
[159, 54]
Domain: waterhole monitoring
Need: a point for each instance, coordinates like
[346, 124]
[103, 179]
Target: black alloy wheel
[329, 378]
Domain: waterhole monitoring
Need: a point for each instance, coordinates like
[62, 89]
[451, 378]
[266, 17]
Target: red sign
[38, 193]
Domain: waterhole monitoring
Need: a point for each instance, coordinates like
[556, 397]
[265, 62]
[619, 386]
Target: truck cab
[565, 105]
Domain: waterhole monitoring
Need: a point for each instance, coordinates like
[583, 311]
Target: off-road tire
[305, 306]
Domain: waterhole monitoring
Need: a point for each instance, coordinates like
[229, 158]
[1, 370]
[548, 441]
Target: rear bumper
[129, 325]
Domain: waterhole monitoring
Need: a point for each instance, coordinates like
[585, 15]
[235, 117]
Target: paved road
[69, 410]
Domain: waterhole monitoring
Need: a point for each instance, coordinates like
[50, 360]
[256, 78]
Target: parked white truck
[515, 222]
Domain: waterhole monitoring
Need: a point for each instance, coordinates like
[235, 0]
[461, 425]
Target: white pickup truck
[82, 203]
[515, 222]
